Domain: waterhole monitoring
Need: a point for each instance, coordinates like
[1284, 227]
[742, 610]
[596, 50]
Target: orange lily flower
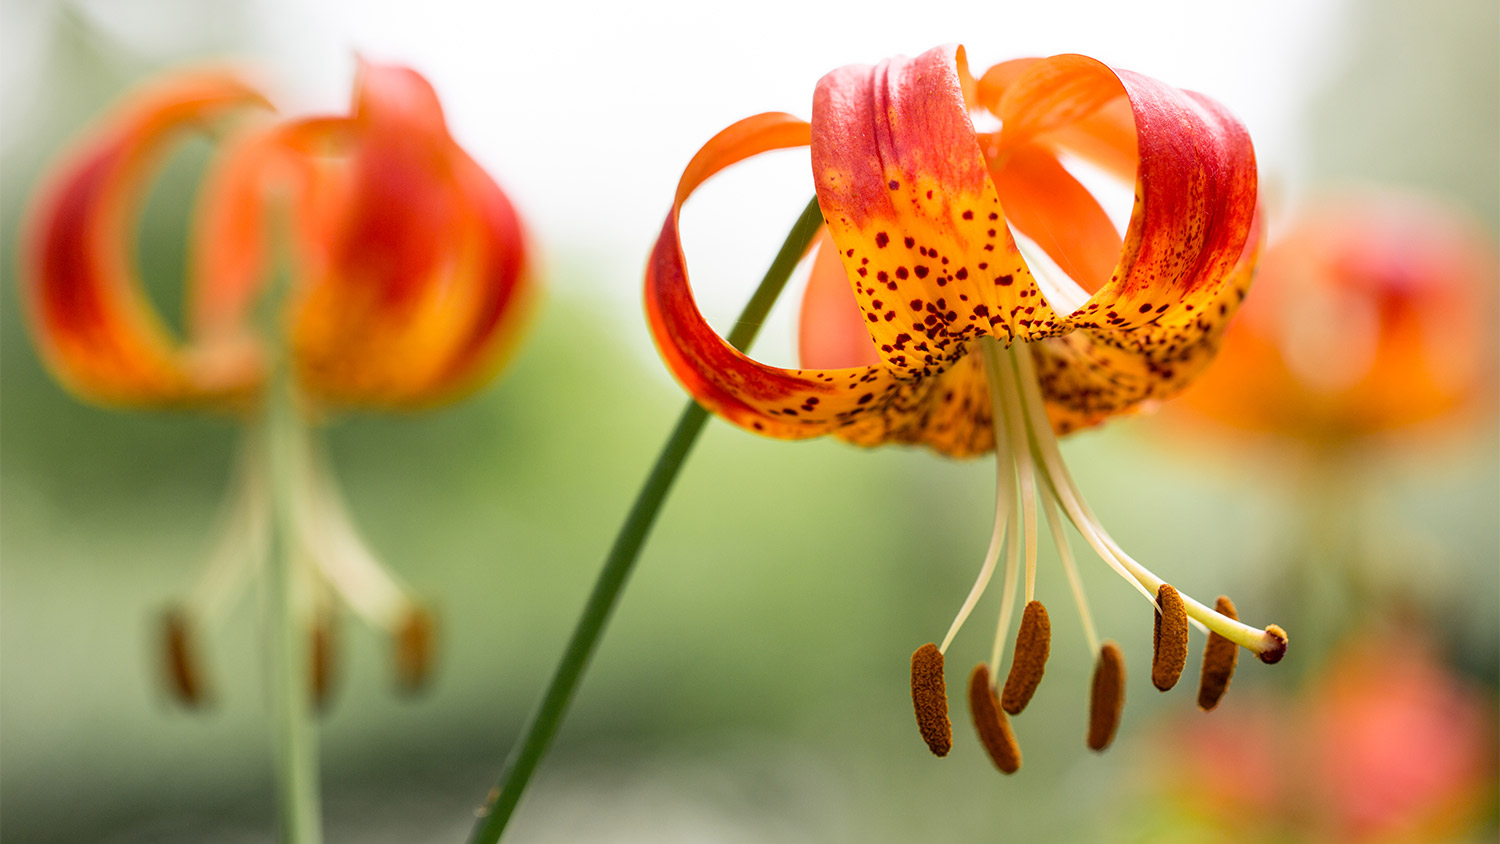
[924, 323]
[407, 280]
[1411, 282]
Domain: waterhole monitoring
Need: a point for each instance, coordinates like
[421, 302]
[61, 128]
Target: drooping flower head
[1369, 319]
[924, 321]
[392, 269]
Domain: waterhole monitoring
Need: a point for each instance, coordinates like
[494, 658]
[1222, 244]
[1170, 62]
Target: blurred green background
[752, 686]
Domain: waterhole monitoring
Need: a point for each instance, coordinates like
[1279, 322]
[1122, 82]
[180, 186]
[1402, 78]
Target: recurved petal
[1154, 319]
[784, 403]
[907, 195]
[91, 320]
[1195, 183]
[412, 279]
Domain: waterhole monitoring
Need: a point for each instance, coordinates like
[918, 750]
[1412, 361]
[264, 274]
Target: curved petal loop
[93, 323]
[1195, 186]
[784, 403]
[906, 192]
[863, 404]
[411, 264]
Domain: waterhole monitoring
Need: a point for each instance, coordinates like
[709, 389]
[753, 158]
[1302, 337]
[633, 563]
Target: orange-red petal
[920, 208]
[907, 195]
[412, 279]
[785, 403]
[91, 320]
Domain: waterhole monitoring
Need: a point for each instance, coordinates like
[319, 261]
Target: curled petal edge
[94, 326]
[783, 403]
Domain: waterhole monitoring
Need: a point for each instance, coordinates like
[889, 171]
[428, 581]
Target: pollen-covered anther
[1169, 641]
[929, 698]
[1219, 658]
[990, 722]
[414, 641]
[1107, 697]
[322, 645]
[1275, 647]
[180, 652]
[1033, 644]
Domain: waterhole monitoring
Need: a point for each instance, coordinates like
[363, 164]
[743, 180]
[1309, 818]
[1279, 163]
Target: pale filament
[1044, 444]
[340, 553]
[1005, 491]
[240, 545]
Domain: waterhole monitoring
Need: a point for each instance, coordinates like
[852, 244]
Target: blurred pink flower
[1388, 745]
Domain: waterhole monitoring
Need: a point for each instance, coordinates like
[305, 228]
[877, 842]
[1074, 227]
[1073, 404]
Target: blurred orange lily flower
[406, 282]
[1369, 319]
[923, 322]
[1388, 745]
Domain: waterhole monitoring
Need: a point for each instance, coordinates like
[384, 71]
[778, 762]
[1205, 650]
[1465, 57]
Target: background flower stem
[296, 750]
[547, 717]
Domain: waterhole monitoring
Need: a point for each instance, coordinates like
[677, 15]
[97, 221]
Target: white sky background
[586, 113]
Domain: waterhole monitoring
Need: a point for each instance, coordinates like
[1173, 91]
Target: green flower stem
[548, 715]
[296, 749]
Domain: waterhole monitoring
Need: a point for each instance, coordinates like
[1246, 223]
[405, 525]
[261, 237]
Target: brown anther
[1033, 643]
[929, 697]
[182, 675]
[1277, 649]
[320, 657]
[1219, 658]
[990, 721]
[1107, 698]
[413, 646]
[1169, 643]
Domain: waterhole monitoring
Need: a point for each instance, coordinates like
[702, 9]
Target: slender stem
[544, 721]
[296, 749]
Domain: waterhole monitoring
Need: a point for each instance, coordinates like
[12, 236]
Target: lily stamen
[240, 543]
[1169, 639]
[1005, 491]
[1029, 659]
[929, 698]
[1219, 658]
[1070, 568]
[340, 553]
[1268, 644]
[1025, 445]
[182, 665]
[990, 722]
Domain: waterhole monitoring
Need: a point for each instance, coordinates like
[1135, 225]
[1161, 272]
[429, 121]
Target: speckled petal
[93, 323]
[907, 195]
[1187, 256]
[1092, 374]
[784, 403]
[1195, 185]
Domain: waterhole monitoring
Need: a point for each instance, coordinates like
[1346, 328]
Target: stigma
[1032, 481]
